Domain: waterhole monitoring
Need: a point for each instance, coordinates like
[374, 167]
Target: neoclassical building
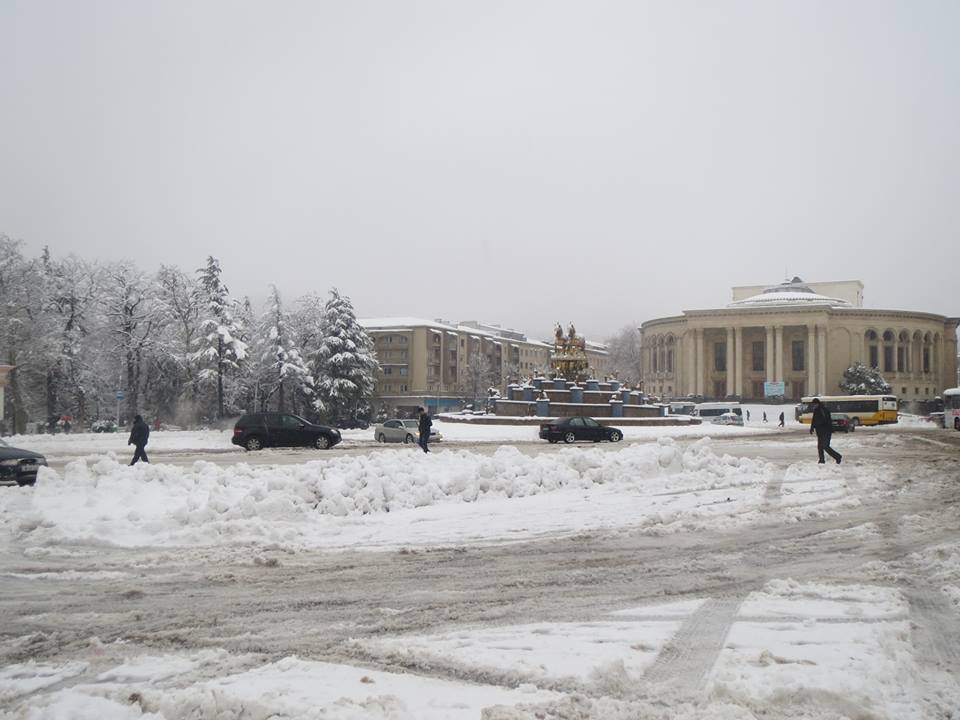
[802, 334]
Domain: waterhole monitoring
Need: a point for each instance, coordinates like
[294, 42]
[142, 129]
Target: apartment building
[437, 363]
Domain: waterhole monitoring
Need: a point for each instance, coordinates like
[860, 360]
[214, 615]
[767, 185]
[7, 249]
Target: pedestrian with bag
[139, 435]
[425, 423]
[822, 424]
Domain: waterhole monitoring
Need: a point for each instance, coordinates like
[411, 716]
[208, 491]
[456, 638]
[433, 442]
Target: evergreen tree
[287, 375]
[221, 347]
[861, 380]
[344, 364]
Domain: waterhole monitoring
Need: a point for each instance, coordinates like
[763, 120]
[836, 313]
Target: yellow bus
[862, 409]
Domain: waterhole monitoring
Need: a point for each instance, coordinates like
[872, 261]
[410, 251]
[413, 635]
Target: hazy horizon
[515, 163]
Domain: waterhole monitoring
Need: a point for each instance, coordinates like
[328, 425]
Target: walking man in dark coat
[139, 435]
[424, 424]
[823, 425]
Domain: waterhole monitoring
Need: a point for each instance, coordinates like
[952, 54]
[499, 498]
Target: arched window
[903, 352]
[927, 340]
[670, 354]
[873, 349]
[888, 351]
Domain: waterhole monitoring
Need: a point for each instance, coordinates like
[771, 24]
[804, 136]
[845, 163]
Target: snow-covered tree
[861, 380]
[286, 374]
[23, 332]
[132, 318]
[70, 289]
[344, 365]
[624, 354]
[220, 349]
[478, 375]
[175, 365]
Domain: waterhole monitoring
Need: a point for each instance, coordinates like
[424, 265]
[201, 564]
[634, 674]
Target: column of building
[811, 360]
[778, 353]
[822, 359]
[700, 361]
[729, 363]
[738, 362]
[768, 355]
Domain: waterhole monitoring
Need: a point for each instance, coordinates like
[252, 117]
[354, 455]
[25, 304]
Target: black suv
[270, 429]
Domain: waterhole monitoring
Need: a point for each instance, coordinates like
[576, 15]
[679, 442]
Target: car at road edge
[402, 431]
[578, 427]
[256, 431]
[19, 466]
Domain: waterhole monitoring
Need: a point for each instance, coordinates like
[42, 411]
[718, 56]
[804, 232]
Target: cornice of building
[825, 310]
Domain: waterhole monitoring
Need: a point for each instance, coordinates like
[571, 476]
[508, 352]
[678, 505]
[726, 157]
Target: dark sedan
[19, 467]
[842, 422]
[578, 427]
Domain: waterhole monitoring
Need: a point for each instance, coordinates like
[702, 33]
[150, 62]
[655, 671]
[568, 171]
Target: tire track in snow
[689, 656]
[692, 652]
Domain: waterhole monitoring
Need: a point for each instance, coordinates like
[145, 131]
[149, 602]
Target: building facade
[437, 364]
[793, 334]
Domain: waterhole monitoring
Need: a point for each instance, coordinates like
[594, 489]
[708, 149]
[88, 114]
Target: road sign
[774, 389]
[119, 395]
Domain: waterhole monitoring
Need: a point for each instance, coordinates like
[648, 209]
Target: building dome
[790, 292]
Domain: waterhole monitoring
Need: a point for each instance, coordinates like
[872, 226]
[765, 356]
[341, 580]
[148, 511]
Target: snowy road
[775, 589]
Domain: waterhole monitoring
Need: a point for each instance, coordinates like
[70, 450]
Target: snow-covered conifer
[286, 374]
[861, 380]
[220, 347]
[344, 364]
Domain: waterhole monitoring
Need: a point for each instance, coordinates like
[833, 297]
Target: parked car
[728, 419]
[270, 429]
[405, 431]
[937, 418]
[19, 467]
[578, 427]
[842, 422]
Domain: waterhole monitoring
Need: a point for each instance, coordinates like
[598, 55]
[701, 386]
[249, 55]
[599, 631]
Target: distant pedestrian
[822, 424]
[764, 415]
[782, 421]
[139, 435]
[424, 424]
[156, 423]
[748, 416]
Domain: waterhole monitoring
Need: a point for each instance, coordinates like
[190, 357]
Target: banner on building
[774, 389]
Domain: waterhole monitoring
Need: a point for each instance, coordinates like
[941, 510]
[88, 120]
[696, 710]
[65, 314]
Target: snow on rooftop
[791, 292]
[397, 323]
[789, 298]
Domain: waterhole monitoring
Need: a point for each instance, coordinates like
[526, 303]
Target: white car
[405, 431]
[728, 419]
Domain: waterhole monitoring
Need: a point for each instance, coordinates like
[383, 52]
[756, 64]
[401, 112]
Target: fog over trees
[175, 343]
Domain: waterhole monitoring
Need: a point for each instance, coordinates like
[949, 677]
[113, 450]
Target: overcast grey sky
[516, 162]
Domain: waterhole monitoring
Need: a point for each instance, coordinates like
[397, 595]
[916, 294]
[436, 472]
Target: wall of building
[831, 339]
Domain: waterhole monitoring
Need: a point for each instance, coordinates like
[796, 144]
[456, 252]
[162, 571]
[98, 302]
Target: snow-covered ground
[838, 646]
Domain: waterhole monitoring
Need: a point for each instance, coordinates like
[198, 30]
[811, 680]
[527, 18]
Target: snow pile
[294, 506]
